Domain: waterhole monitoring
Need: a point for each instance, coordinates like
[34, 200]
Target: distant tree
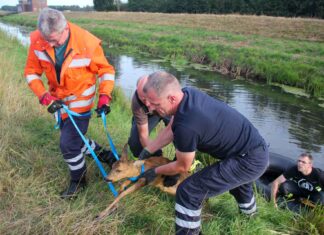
[9, 8]
[103, 5]
[292, 8]
[177, 6]
[147, 5]
[197, 6]
[117, 3]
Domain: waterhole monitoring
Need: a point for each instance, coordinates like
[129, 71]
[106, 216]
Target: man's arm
[164, 138]
[143, 134]
[105, 71]
[181, 165]
[274, 188]
[33, 73]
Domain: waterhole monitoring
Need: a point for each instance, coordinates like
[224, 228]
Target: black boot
[106, 156]
[170, 180]
[74, 188]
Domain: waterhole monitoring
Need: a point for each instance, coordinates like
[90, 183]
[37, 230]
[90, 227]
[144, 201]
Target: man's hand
[56, 105]
[149, 176]
[46, 99]
[103, 105]
[145, 154]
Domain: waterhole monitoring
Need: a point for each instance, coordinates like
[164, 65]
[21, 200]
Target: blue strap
[102, 170]
[59, 118]
[112, 146]
[135, 178]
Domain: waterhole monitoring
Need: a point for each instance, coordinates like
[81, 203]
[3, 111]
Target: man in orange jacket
[72, 59]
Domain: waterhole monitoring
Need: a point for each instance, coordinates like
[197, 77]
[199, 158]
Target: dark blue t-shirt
[209, 125]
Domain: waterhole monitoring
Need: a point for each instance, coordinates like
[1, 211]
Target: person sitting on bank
[302, 181]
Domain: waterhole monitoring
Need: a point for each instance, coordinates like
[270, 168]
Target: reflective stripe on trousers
[72, 146]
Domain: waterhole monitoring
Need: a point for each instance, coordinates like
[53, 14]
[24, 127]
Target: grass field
[32, 173]
[287, 51]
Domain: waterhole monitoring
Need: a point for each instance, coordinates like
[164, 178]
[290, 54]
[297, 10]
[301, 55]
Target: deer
[125, 168]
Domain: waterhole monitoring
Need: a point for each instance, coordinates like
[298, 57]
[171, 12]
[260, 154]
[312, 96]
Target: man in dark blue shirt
[205, 124]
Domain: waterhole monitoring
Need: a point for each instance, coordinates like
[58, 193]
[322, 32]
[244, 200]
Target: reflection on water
[20, 33]
[291, 125]
[128, 71]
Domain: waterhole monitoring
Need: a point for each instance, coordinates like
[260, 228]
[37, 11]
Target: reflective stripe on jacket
[84, 59]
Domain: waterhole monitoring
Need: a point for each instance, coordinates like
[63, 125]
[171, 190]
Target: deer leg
[139, 184]
[170, 190]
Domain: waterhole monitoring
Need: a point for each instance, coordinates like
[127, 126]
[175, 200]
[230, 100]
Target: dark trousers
[290, 189]
[134, 141]
[73, 147]
[234, 174]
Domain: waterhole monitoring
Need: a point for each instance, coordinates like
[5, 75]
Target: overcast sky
[81, 3]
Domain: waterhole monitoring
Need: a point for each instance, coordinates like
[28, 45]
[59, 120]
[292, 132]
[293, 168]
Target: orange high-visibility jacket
[84, 59]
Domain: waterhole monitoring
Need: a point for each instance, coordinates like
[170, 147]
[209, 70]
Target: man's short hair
[50, 21]
[308, 155]
[158, 81]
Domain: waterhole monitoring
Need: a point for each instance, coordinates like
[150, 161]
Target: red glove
[47, 99]
[103, 100]
[103, 105]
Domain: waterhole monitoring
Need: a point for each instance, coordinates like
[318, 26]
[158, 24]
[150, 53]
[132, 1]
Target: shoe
[170, 180]
[74, 188]
[106, 156]
[250, 215]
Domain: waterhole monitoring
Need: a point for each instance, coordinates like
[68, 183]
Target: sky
[81, 3]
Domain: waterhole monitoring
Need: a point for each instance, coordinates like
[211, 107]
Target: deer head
[123, 168]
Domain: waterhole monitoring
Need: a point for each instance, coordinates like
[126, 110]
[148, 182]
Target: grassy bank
[276, 50]
[32, 173]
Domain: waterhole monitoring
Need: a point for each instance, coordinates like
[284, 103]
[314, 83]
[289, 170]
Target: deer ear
[124, 156]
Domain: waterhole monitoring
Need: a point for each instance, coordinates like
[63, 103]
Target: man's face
[57, 39]
[304, 164]
[161, 105]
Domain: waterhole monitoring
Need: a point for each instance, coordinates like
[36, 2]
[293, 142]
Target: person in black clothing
[297, 182]
[205, 124]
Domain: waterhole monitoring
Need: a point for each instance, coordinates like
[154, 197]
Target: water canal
[290, 124]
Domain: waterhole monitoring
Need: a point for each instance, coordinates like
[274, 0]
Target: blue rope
[112, 146]
[102, 170]
[135, 178]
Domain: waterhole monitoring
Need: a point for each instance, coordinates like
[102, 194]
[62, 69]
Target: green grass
[32, 173]
[289, 55]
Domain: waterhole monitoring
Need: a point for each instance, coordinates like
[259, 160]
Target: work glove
[149, 176]
[46, 99]
[103, 105]
[170, 180]
[145, 154]
[56, 105]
